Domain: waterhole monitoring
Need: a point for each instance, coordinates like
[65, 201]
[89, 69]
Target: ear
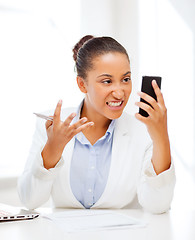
[81, 84]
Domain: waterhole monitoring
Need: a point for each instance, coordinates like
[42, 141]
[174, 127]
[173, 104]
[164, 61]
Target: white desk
[173, 225]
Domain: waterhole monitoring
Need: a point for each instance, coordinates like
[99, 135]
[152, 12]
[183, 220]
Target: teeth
[114, 104]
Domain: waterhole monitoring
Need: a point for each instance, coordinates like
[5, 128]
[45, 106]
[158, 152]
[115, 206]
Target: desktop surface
[173, 225]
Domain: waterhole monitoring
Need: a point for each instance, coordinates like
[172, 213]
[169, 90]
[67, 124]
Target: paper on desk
[89, 220]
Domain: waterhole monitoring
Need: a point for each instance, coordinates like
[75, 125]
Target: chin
[115, 115]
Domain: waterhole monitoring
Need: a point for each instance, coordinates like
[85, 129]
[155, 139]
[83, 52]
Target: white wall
[186, 9]
[167, 49]
[36, 70]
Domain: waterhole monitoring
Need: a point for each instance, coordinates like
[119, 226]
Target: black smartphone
[147, 88]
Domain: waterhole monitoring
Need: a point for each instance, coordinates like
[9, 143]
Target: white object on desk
[90, 220]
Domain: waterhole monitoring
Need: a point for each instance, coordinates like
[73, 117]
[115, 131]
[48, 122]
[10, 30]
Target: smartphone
[147, 88]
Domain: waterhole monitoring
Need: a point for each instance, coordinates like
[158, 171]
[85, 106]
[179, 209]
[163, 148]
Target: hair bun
[80, 44]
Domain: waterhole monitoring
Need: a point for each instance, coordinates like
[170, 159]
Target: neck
[100, 122]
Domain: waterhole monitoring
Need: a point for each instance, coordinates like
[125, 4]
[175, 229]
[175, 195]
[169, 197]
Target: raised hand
[59, 134]
[156, 124]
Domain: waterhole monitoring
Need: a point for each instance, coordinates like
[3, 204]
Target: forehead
[112, 62]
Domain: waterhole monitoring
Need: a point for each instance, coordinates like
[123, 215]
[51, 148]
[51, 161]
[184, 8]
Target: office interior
[37, 70]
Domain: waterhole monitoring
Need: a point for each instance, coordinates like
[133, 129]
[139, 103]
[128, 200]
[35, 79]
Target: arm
[156, 124]
[155, 190]
[35, 183]
[44, 161]
[59, 134]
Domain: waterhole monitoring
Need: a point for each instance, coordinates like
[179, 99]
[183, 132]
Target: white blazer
[131, 182]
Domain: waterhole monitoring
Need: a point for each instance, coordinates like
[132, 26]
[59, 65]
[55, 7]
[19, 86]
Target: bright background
[37, 69]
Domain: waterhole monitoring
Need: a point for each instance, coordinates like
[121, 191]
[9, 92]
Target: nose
[118, 94]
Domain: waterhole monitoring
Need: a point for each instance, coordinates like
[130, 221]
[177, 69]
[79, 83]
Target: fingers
[150, 109]
[65, 128]
[155, 105]
[48, 124]
[77, 127]
[56, 117]
[80, 125]
[149, 99]
[69, 119]
[145, 107]
[158, 93]
[156, 109]
[141, 118]
[83, 127]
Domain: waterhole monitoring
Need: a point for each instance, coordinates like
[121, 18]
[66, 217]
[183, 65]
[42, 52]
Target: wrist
[161, 140]
[51, 155]
[161, 158]
[54, 148]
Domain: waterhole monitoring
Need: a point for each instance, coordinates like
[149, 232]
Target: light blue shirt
[90, 166]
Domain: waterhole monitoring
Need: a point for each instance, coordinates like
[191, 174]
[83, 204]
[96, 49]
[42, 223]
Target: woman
[97, 156]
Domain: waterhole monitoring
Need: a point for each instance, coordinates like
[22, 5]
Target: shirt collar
[78, 112]
[110, 130]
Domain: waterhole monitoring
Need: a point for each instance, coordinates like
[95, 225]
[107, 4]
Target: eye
[106, 81]
[127, 79]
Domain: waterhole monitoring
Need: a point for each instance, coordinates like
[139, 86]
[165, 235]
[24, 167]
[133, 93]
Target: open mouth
[115, 103]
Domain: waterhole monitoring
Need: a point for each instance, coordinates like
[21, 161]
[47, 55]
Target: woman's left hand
[156, 124]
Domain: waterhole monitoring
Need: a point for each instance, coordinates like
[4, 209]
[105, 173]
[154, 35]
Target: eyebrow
[127, 73]
[108, 75]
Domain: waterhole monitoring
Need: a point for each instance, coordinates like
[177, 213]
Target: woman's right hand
[59, 134]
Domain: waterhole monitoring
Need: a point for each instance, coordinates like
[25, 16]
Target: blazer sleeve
[35, 184]
[155, 192]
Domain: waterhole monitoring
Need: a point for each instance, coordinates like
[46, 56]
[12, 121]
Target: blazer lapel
[120, 142]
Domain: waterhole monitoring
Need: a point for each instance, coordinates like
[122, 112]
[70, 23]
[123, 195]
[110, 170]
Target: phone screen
[147, 88]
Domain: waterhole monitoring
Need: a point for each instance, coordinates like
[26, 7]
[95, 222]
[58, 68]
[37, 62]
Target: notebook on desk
[10, 213]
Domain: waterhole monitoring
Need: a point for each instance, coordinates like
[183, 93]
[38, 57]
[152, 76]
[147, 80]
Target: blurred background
[37, 69]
